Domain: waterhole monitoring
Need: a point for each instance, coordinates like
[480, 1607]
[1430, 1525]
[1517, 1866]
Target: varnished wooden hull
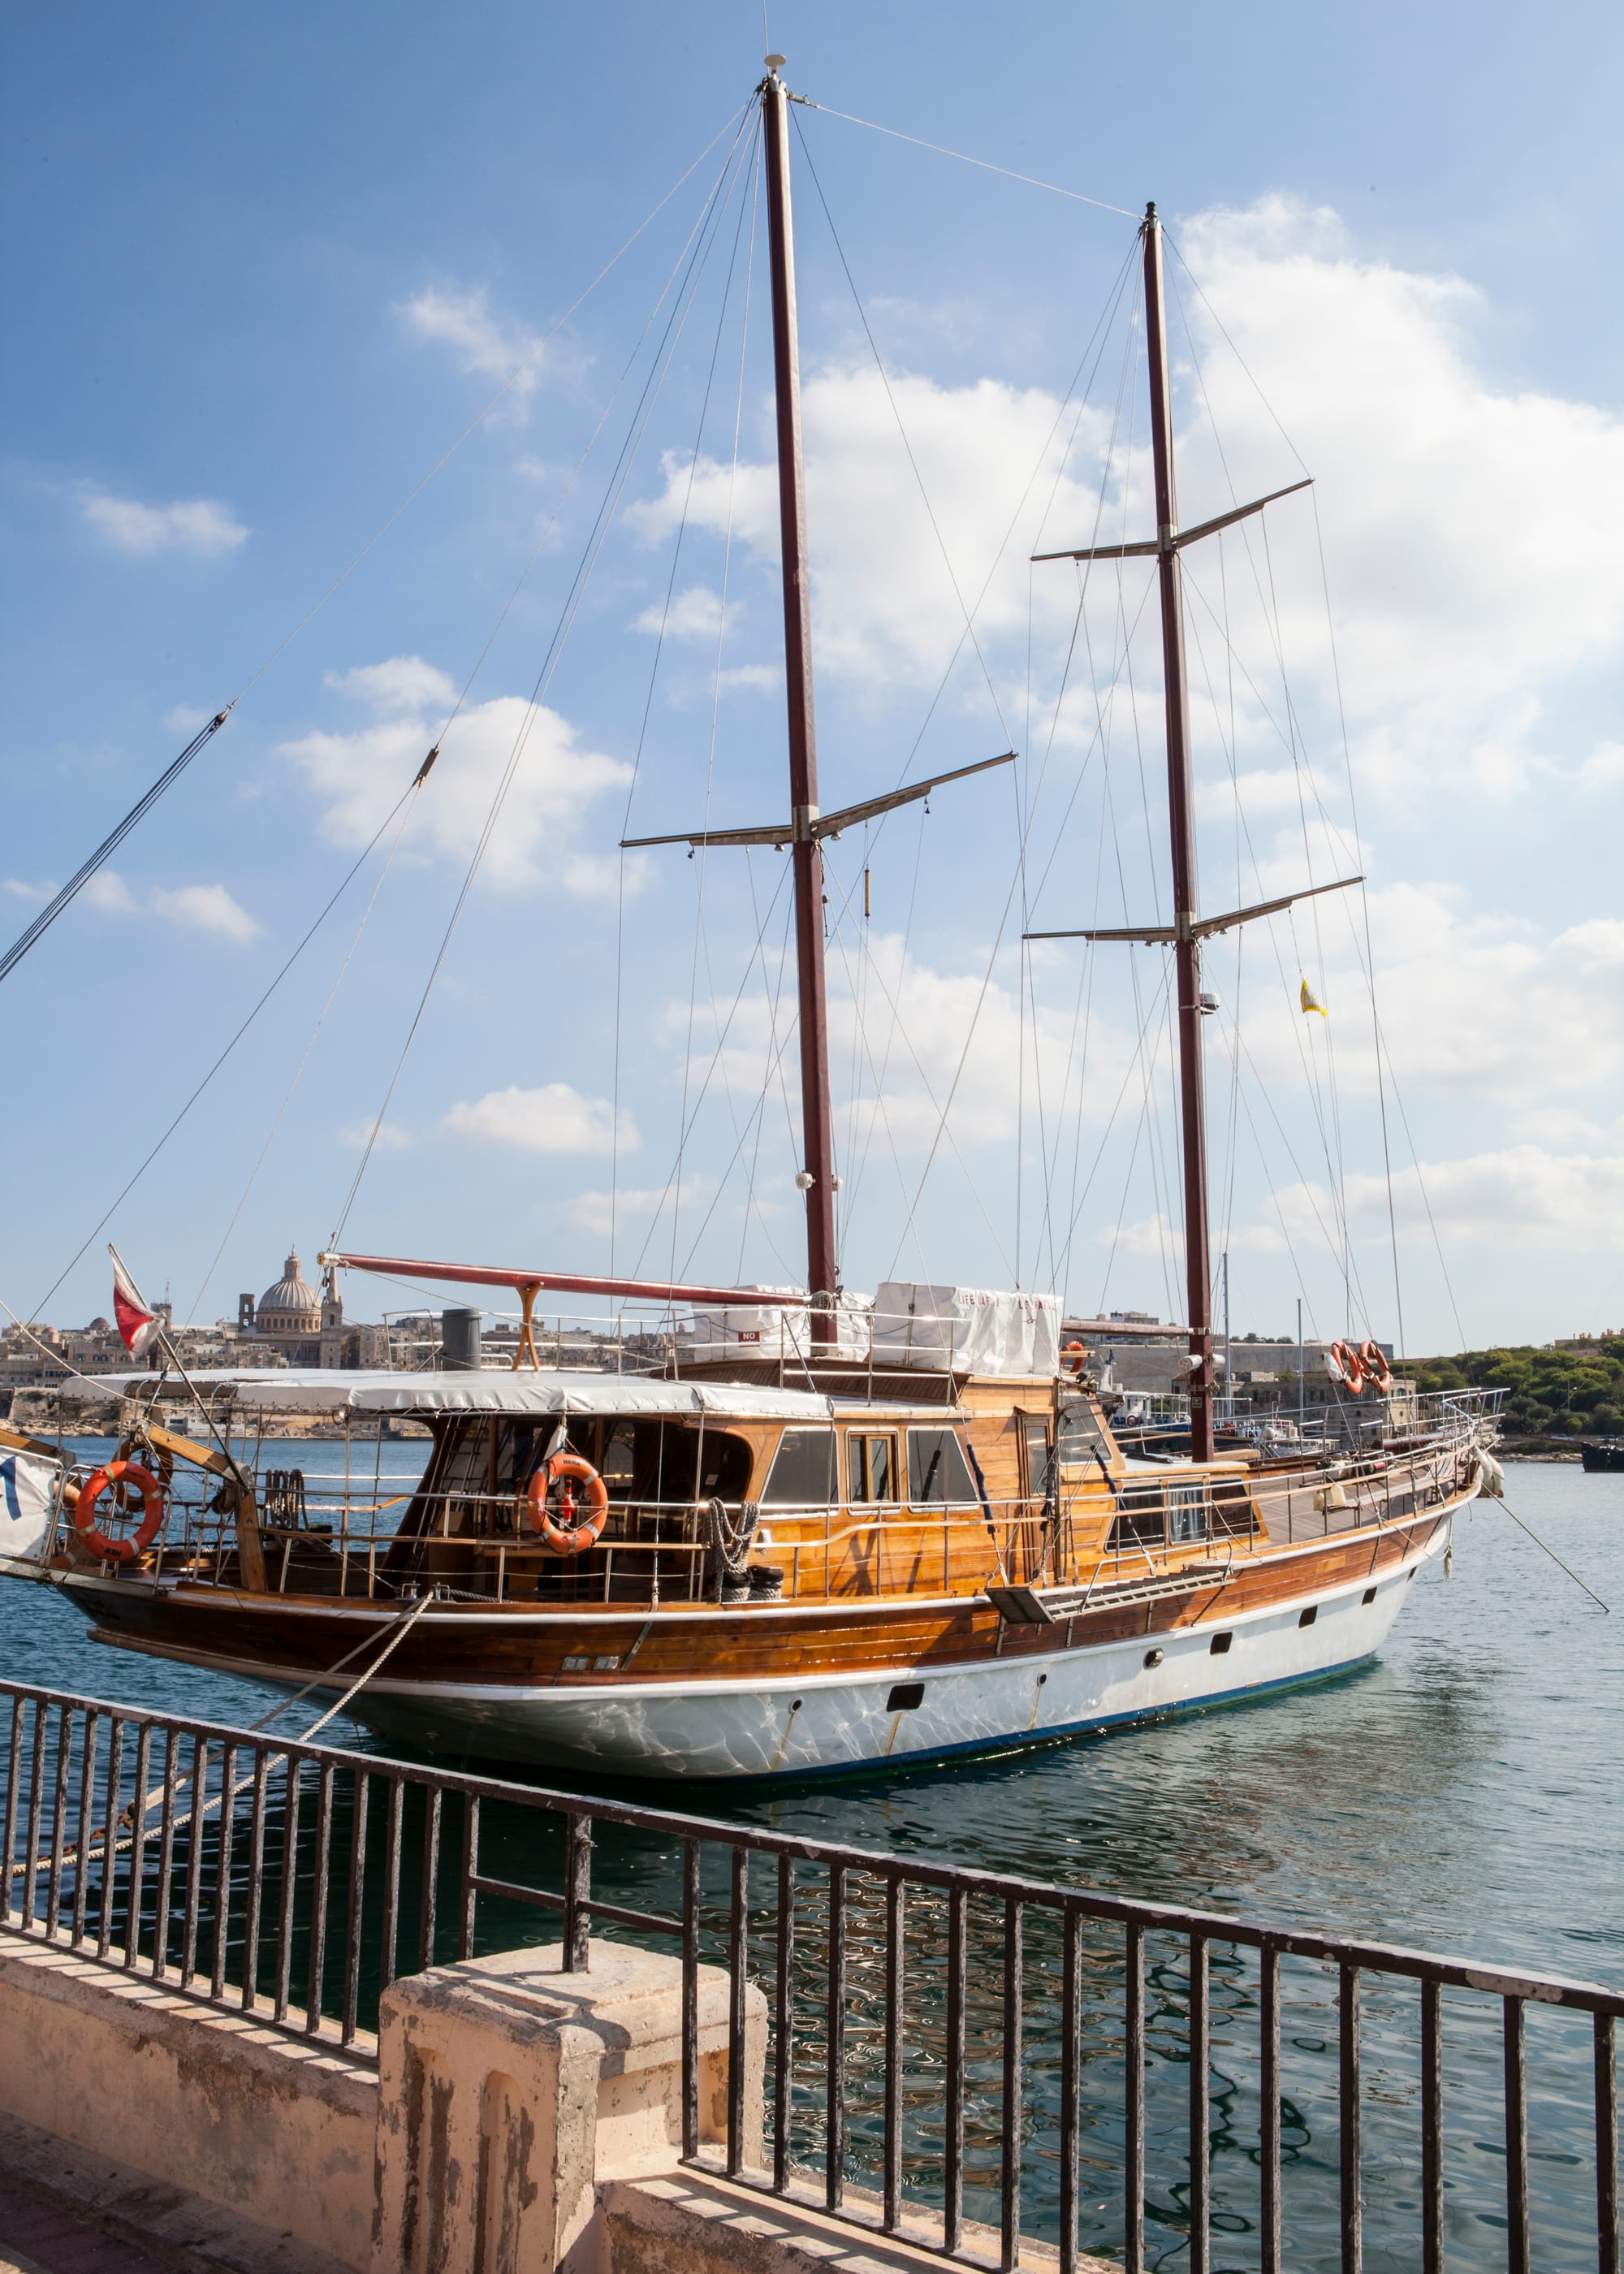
[702, 1691]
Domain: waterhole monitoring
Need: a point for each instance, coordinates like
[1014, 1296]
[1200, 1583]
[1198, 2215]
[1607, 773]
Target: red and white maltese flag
[136, 1324]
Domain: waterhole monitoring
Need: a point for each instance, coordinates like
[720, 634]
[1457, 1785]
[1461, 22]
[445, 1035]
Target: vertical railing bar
[138, 1845]
[1014, 1993]
[194, 1862]
[1268, 1971]
[834, 2139]
[690, 2000]
[1070, 2111]
[1607, 2257]
[784, 2041]
[1516, 2137]
[1432, 2126]
[108, 1887]
[471, 1872]
[1349, 2111]
[13, 1789]
[577, 1891]
[738, 1951]
[256, 1881]
[391, 1884]
[166, 1852]
[952, 2214]
[427, 1918]
[895, 1917]
[1200, 2151]
[36, 1799]
[86, 1819]
[354, 1904]
[292, 1793]
[59, 1820]
[319, 1900]
[222, 1873]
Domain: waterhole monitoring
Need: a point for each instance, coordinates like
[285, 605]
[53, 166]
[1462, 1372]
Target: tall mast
[817, 1171]
[1186, 945]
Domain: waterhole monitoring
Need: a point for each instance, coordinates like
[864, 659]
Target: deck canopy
[299, 1391]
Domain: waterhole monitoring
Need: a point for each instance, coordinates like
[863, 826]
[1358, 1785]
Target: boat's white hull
[802, 1724]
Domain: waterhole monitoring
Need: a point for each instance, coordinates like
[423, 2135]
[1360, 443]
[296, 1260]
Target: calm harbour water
[1462, 1793]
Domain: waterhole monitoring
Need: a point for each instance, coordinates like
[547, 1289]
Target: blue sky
[272, 263]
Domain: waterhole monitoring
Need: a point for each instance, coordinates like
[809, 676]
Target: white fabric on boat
[28, 1513]
[299, 1391]
[970, 1330]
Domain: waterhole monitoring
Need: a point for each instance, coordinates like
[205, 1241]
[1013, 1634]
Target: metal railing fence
[959, 2055]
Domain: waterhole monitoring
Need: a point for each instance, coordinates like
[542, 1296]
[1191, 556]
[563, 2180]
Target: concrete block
[511, 2091]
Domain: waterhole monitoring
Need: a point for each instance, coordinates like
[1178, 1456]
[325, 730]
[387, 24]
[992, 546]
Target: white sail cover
[28, 1513]
[966, 1329]
[771, 1330]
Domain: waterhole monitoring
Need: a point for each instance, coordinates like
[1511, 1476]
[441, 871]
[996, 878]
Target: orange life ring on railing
[560, 1471]
[1072, 1360]
[1347, 1365]
[119, 1551]
[1373, 1360]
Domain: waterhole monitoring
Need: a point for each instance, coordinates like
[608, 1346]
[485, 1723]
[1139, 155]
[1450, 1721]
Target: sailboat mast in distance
[1186, 944]
[817, 1169]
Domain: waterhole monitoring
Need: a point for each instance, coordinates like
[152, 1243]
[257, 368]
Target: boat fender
[1373, 1360]
[560, 1472]
[1347, 1366]
[1332, 1496]
[1491, 1476]
[119, 1551]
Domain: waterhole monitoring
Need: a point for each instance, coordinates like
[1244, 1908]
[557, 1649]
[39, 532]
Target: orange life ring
[1373, 1360]
[119, 1551]
[562, 1470]
[1350, 1367]
[1072, 1359]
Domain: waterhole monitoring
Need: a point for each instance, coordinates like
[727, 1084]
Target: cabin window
[937, 1474]
[1186, 1515]
[1306, 1618]
[1082, 1434]
[871, 1468]
[803, 1470]
[1039, 1459]
[619, 1465]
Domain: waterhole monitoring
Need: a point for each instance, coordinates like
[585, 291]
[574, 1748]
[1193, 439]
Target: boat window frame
[832, 1499]
[864, 1434]
[969, 1498]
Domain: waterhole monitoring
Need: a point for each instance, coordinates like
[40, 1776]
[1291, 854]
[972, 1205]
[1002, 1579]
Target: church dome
[292, 1306]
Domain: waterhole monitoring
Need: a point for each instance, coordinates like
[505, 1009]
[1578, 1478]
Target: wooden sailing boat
[865, 1539]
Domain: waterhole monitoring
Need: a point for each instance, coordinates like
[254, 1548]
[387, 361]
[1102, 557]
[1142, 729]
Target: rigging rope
[985, 164]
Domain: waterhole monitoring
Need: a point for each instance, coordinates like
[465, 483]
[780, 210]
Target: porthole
[1220, 1643]
[905, 1695]
[1153, 1658]
[1369, 1596]
[1306, 1618]
[1042, 1678]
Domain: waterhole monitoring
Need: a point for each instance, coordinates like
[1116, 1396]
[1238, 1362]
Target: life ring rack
[100, 1543]
[560, 1473]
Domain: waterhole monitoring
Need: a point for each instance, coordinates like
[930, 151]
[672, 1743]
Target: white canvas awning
[294, 1391]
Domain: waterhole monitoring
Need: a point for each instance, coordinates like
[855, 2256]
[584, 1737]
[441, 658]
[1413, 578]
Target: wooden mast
[817, 1172]
[1187, 944]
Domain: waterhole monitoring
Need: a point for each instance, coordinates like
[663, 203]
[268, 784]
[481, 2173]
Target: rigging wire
[119, 1199]
[109, 845]
[964, 158]
[702, 238]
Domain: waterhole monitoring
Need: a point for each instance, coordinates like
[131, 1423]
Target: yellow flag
[1309, 1003]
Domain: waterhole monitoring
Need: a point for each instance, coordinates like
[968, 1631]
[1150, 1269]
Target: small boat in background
[1602, 1455]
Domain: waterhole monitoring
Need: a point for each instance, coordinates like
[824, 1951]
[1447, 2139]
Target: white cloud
[186, 717]
[1521, 1198]
[200, 907]
[765, 678]
[404, 683]
[390, 1137]
[205, 907]
[553, 1118]
[20, 890]
[484, 343]
[202, 526]
[693, 614]
[358, 776]
[601, 1213]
